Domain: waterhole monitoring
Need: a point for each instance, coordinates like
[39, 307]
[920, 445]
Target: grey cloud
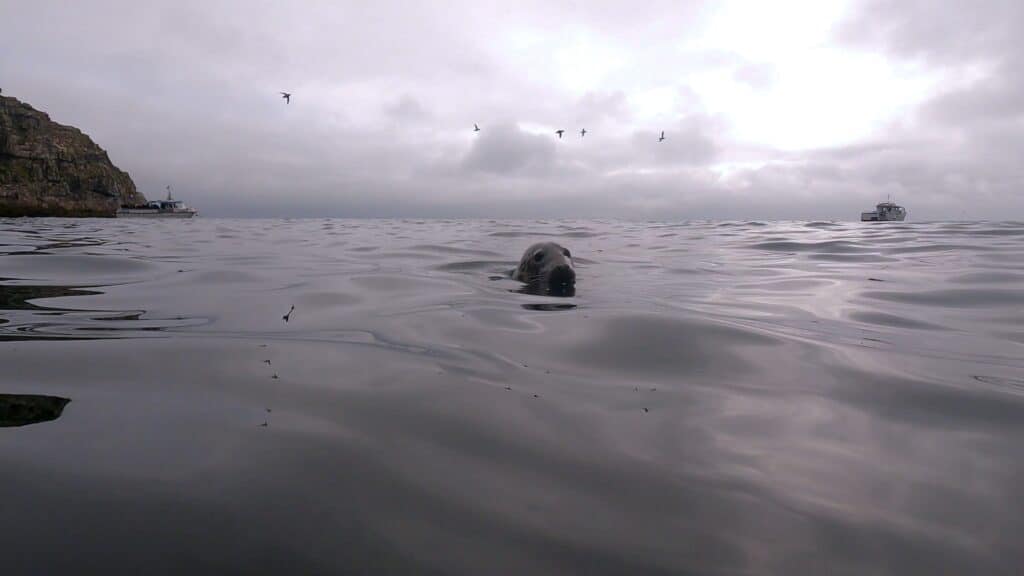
[594, 108]
[507, 149]
[966, 145]
[999, 97]
[944, 31]
[385, 95]
[687, 142]
[934, 183]
[407, 109]
[987, 34]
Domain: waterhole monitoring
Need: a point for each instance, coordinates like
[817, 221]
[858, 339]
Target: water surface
[717, 398]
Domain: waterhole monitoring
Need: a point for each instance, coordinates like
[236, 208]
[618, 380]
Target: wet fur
[538, 272]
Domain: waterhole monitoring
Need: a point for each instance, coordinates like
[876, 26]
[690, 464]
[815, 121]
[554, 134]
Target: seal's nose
[562, 276]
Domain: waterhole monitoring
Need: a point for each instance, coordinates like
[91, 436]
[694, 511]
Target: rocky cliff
[48, 169]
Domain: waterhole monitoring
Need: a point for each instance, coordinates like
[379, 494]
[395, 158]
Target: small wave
[829, 246]
[952, 297]
[891, 320]
[452, 250]
[865, 258]
[1015, 385]
[475, 266]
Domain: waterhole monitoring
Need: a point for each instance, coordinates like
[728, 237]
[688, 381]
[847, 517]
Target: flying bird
[287, 97]
[476, 128]
[583, 133]
[559, 132]
[662, 136]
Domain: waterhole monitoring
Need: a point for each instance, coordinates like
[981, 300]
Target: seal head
[546, 268]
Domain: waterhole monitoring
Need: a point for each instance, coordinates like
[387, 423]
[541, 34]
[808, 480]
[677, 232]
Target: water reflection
[728, 398]
[24, 316]
[25, 409]
[18, 297]
[547, 289]
[548, 307]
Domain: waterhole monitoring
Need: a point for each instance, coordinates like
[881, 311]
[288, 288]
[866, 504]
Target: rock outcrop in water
[25, 409]
[48, 169]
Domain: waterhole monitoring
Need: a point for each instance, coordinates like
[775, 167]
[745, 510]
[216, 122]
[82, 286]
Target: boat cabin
[885, 212]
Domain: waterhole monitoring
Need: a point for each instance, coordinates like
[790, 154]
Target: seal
[546, 268]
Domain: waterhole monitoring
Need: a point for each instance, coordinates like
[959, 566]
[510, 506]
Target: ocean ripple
[379, 396]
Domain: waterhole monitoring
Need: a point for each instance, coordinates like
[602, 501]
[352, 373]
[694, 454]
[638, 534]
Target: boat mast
[168, 192]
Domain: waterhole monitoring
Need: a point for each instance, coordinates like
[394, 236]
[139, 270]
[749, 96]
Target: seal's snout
[546, 268]
[562, 276]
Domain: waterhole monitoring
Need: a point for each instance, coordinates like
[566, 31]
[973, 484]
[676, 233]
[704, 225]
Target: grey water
[715, 398]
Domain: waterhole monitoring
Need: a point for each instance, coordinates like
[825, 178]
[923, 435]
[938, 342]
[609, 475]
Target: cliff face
[48, 169]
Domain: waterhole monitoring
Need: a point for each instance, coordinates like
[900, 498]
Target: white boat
[169, 208]
[885, 212]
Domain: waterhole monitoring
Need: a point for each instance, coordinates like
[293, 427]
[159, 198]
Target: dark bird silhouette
[559, 132]
[274, 377]
[268, 362]
[287, 97]
[662, 136]
[264, 425]
[476, 128]
[289, 314]
[583, 133]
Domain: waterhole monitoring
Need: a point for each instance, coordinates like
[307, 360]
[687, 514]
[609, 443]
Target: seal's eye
[538, 256]
[566, 252]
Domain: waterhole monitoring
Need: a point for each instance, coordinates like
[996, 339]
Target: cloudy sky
[781, 109]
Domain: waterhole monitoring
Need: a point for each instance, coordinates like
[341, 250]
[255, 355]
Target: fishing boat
[169, 208]
[886, 211]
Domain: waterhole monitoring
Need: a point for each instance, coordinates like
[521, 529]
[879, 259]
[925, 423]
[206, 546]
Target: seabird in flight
[287, 97]
[662, 136]
[559, 132]
[583, 133]
[476, 128]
